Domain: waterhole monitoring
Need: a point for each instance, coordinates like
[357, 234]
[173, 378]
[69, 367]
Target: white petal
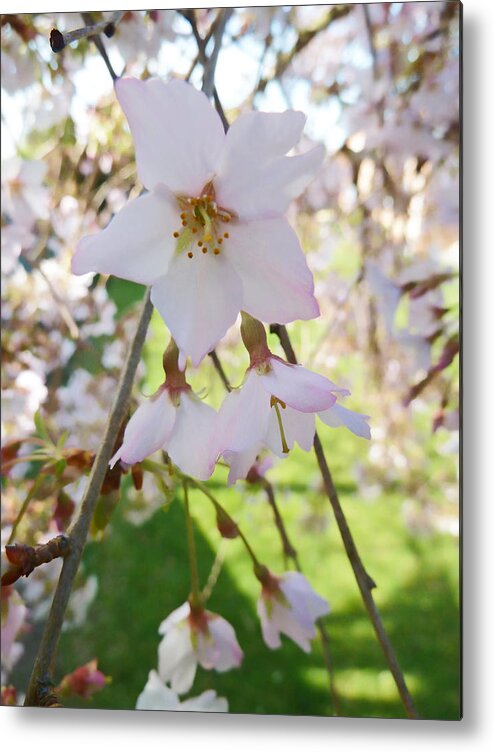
[190, 446]
[305, 602]
[156, 695]
[277, 283]
[255, 179]
[199, 299]
[207, 702]
[241, 462]
[341, 416]
[177, 134]
[298, 427]
[177, 662]
[301, 389]
[270, 633]
[147, 430]
[180, 614]
[243, 416]
[137, 244]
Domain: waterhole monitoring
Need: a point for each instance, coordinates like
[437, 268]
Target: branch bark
[45, 659]
[364, 580]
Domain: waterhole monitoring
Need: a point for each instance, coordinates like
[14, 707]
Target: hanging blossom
[209, 236]
[192, 636]
[173, 419]
[288, 605]
[276, 407]
[158, 696]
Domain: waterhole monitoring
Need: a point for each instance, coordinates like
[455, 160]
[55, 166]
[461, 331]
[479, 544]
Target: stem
[25, 504]
[364, 581]
[219, 368]
[45, 658]
[210, 67]
[194, 576]
[205, 490]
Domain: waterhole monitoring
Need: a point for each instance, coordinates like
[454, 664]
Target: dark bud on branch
[57, 41]
[24, 559]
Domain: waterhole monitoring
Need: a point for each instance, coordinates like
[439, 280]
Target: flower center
[204, 224]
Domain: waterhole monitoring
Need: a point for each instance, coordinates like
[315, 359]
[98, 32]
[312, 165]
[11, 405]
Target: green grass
[143, 575]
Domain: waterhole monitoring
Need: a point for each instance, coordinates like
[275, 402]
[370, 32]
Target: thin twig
[219, 368]
[210, 67]
[45, 658]
[59, 40]
[364, 581]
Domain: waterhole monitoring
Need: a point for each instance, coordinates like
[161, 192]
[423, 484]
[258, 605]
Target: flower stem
[194, 576]
[205, 490]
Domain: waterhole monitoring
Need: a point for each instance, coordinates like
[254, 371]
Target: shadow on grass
[143, 575]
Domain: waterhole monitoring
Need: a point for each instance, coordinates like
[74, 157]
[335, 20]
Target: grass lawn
[143, 575]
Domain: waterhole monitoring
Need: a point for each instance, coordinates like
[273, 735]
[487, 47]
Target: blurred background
[380, 227]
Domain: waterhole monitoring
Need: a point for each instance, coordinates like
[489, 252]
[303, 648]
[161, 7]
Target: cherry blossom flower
[158, 696]
[191, 637]
[288, 605]
[209, 236]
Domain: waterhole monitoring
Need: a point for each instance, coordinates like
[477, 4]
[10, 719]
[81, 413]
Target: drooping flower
[192, 636]
[288, 605]
[158, 696]
[173, 419]
[209, 236]
[276, 407]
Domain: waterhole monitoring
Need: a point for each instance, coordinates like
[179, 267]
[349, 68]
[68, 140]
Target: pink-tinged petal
[303, 599]
[299, 388]
[298, 427]
[255, 179]
[243, 417]
[156, 695]
[341, 416]
[177, 662]
[177, 134]
[285, 621]
[199, 299]
[277, 283]
[190, 444]
[148, 429]
[137, 244]
[219, 649]
[241, 462]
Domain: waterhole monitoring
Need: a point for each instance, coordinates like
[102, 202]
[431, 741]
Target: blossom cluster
[210, 238]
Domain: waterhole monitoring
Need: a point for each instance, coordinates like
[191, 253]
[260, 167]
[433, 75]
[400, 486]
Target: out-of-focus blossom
[157, 696]
[192, 637]
[84, 681]
[288, 605]
[212, 222]
[14, 614]
[15, 238]
[20, 403]
[24, 197]
[9, 696]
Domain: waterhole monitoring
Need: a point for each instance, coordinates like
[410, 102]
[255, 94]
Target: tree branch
[45, 659]
[364, 581]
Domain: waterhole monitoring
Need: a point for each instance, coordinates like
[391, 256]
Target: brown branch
[45, 658]
[24, 559]
[364, 581]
